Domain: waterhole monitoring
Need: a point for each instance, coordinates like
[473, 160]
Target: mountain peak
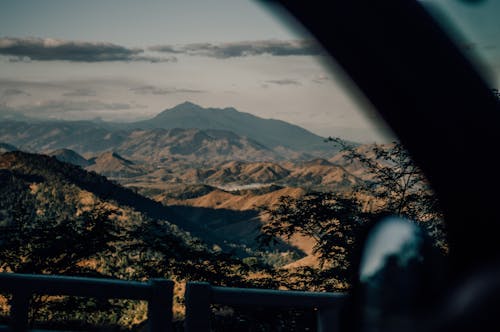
[268, 132]
[187, 105]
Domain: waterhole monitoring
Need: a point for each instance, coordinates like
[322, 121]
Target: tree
[397, 184]
[393, 178]
[331, 219]
[52, 244]
[391, 181]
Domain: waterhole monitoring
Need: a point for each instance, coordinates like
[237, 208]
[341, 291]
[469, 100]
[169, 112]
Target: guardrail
[158, 293]
[199, 296]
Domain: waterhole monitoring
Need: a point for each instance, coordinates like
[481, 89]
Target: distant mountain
[323, 177]
[269, 132]
[196, 145]
[246, 173]
[79, 136]
[149, 146]
[242, 176]
[4, 147]
[111, 164]
[187, 131]
[69, 156]
[317, 162]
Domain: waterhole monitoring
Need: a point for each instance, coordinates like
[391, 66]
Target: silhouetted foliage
[332, 220]
[393, 184]
[394, 179]
[53, 245]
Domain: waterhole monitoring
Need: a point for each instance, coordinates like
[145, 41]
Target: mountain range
[211, 169]
[186, 131]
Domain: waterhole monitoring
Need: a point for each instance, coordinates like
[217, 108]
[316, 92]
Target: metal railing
[158, 293]
[200, 295]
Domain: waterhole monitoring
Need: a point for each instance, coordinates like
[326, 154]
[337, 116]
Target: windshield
[188, 141]
[475, 28]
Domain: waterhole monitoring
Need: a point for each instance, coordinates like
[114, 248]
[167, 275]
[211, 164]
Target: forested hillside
[56, 218]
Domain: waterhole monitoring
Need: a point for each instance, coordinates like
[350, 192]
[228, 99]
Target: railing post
[160, 305]
[327, 319]
[19, 310]
[197, 297]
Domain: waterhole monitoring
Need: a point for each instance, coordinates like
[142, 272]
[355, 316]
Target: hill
[4, 147]
[269, 132]
[56, 218]
[69, 156]
[33, 169]
[111, 164]
[243, 173]
[54, 172]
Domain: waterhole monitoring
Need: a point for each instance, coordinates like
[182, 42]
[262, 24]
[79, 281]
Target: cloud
[152, 90]
[75, 110]
[51, 107]
[14, 92]
[245, 48]
[47, 49]
[284, 82]
[81, 93]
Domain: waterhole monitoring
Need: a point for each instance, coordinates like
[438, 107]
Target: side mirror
[400, 274]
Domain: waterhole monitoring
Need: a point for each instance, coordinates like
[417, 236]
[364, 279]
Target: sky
[125, 60]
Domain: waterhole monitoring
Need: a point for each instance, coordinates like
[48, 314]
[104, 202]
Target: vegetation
[393, 184]
[56, 218]
[50, 225]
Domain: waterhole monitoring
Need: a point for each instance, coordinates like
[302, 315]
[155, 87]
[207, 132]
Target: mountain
[237, 175]
[186, 131]
[325, 177]
[270, 132]
[194, 145]
[248, 173]
[4, 147]
[150, 146]
[79, 136]
[238, 201]
[111, 164]
[69, 156]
